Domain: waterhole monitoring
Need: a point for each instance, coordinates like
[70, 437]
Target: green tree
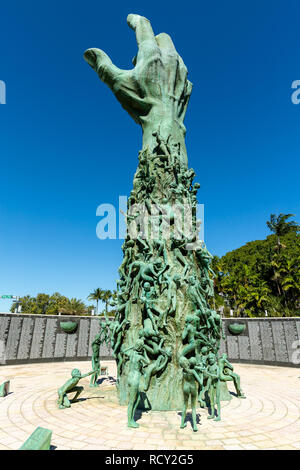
[96, 295]
[280, 225]
[263, 274]
[74, 307]
[28, 304]
[51, 305]
[57, 303]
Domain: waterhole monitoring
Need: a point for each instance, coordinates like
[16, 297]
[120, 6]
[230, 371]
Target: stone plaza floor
[267, 419]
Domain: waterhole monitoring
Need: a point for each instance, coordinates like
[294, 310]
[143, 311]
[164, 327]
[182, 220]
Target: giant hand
[156, 91]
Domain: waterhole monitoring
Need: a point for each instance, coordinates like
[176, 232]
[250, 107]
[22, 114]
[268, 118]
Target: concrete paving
[267, 419]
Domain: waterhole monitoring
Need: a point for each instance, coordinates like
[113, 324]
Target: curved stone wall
[271, 341]
[40, 338]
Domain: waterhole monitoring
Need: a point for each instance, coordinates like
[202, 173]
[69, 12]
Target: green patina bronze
[165, 337]
[4, 388]
[71, 387]
[103, 337]
[228, 375]
[68, 326]
[40, 439]
[236, 328]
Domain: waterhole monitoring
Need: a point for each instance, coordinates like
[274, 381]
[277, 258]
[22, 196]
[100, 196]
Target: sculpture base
[224, 392]
[164, 394]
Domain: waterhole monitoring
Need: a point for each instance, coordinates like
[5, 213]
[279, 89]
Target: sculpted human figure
[128, 250]
[157, 366]
[202, 319]
[213, 387]
[140, 270]
[227, 374]
[149, 333]
[214, 321]
[189, 175]
[105, 331]
[144, 247]
[205, 257]
[148, 297]
[189, 386]
[69, 387]
[195, 338]
[96, 360]
[173, 283]
[178, 247]
[136, 362]
[123, 305]
[159, 249]
[162, 145]
[200, 368]
[117, 334]
[195, 294]
[134, 221]
[162, 218]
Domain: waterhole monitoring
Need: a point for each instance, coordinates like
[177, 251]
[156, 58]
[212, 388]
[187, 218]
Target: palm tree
[280, 226]
[97, 294]
[74, 307]
[106, 298]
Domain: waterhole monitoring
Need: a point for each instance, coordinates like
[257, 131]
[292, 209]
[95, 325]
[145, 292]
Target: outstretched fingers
[102, 64]
[143, 31]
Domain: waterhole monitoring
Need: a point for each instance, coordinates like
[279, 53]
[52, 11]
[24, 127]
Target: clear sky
[67, 145]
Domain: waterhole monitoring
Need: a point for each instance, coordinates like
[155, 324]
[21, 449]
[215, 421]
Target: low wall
[271, 341]
[40, 338]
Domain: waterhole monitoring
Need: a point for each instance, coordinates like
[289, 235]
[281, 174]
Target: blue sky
[67, 145]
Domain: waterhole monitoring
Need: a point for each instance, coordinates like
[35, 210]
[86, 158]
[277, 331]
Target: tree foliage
[56, 304]
[51, 305]
[104, 296]
[262, 275]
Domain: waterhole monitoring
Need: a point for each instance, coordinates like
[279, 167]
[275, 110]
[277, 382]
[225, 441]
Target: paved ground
[267, 419]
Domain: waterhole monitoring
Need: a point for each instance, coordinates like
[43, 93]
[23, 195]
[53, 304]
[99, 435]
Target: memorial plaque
[232, 347]
[94, 330]
[291, 336]
[281, 353]
[13, 338]
[26, 338]
[71, 345]
[49, 338]
[255, 341]
[244, 347]
[267, 340]
[60, 345]
[38, 338]
[83, 338]
[4, 327]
